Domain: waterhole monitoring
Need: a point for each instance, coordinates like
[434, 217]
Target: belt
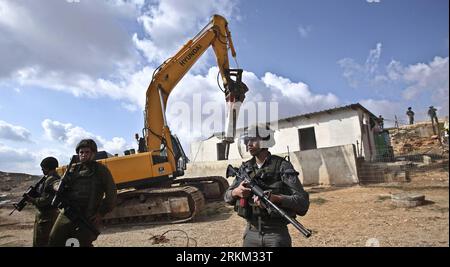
[262, 226]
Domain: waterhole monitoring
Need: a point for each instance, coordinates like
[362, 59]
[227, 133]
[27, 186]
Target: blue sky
[75, 69]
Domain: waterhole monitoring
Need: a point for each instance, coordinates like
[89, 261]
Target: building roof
[329, 111]
[309, 115]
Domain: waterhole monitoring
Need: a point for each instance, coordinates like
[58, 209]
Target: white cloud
[296, 96]
[187, 106]
[373, 59]
[16, 155]
[14, 133]
[388, 109]
[70, 135]
[115, 145]
[166, 25]
[129, 107]
[293, 97]
[359, 75]
[106, 69]
[304, 30]
[431, 78]
[60, 142]
[16, 160]
[131, 86]
[27, 160]
[170, 23]
[394, 70]
[32, 27]
[427, 81]
[199, 94]
[82, 38]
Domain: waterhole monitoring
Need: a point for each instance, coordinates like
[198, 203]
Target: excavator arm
[216, 34]
[147, 181]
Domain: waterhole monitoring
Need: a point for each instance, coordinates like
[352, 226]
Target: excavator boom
[168, 74]
[147, 179]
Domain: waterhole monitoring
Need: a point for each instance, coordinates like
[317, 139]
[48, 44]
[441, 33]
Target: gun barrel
[57, 198]
[13, 211]
[306, 232]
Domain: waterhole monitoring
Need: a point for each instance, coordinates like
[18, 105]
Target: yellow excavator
[150, 189]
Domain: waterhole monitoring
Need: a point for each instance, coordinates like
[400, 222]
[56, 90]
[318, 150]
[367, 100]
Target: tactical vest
[269, 179]
[84, 189]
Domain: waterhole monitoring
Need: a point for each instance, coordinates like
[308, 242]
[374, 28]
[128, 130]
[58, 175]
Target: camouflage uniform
[278, 176]
[46, 214]
[91, 188]
[434, 118]
[410, 114]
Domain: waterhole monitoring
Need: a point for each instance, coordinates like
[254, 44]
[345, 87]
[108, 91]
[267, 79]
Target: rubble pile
[415, 139]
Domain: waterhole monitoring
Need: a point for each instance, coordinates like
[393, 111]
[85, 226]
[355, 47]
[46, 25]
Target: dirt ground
[348, 216]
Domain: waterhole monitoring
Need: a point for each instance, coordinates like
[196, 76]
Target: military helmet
[49, 163]
[87, 143]
[261, 131]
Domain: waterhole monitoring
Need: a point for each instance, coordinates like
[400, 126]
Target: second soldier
[46, 214]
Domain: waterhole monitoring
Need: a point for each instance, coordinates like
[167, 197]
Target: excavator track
[156, 206]
[179, 203]
[212, 187]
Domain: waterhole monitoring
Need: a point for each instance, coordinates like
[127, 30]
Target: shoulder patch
[288, 168]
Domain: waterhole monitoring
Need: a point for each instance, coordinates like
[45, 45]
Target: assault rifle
[71, 211]
[31, 192]
[257, 190]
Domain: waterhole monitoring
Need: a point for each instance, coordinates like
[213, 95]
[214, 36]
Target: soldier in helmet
[279, 179]
[91, 189]
[434, 119]
[381, 121]
[410, 114]
[46, 214]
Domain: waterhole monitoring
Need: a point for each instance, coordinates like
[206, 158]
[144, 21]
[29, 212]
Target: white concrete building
[323, 146]
[351, 124]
